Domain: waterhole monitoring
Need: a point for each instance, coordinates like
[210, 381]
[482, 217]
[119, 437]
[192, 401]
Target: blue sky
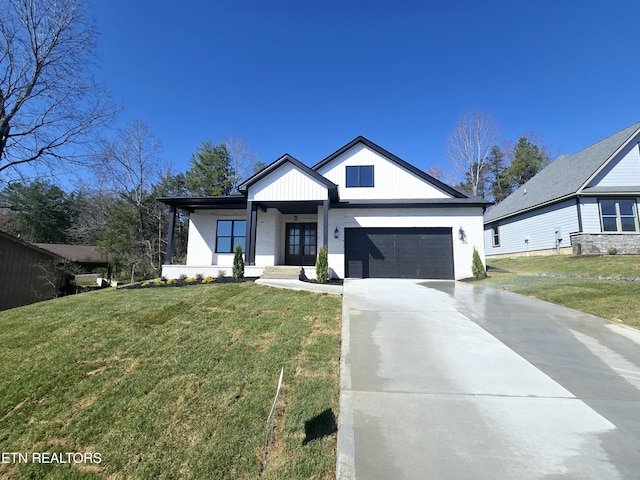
[305, 78]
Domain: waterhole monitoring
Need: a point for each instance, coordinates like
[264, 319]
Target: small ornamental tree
[322, 266]
[238, 263]
[477, 266]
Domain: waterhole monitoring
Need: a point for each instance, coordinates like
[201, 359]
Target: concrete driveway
[445, 380]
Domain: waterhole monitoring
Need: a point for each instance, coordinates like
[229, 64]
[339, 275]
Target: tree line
[54, 118]
[118, 209]
[486, 169]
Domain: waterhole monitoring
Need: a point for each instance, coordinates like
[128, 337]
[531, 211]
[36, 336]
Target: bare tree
[469, 146]
[129, 166]
[49, 103]
[242, 159]
[435, 171]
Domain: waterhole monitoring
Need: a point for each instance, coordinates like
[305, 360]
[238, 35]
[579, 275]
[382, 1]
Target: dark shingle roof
[75, 253]
[561, 178]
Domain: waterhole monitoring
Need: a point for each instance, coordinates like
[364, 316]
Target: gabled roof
[28, 245]
[562, 178]
[398, 161]
[76, 253]
[286, 158]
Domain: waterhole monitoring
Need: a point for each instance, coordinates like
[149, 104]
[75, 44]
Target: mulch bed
[184, 283]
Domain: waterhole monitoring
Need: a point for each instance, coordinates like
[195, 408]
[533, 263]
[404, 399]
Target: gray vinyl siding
[620, 173]
[538, 226]
[590, 215]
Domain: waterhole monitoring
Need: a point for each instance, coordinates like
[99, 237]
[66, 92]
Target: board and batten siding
[622, 172]
[539, 227]
[390, 180]
[287, 183]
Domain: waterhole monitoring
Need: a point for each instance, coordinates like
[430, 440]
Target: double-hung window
[360, 176]
[229, 234]
[618, 215]
[495, 234]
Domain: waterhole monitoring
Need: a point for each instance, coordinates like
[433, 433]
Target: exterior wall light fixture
[462, 235]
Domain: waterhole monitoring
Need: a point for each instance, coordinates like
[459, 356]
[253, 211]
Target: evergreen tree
[322, 266]
[498, 187]
[477, 267]
[38, 212]
[528, 159]
[238, 263]
[211, 172]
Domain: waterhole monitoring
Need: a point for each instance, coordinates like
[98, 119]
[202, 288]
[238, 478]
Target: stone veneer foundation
[600, 243]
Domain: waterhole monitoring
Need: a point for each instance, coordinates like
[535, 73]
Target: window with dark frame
[618, 215]
[360, 176]
[496, 235]
[229, 234]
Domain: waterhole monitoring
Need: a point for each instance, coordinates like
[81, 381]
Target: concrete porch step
[282, 272]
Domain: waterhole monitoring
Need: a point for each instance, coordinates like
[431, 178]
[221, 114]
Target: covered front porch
[280, 216]
[270, 234]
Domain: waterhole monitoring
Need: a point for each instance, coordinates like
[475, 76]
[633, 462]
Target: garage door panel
[399, 253]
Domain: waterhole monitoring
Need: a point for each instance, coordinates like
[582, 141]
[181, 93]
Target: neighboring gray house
[378, 215]
[583, 203]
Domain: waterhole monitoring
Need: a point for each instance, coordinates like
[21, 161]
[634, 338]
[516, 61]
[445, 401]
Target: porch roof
[197, 203]
[240, 202]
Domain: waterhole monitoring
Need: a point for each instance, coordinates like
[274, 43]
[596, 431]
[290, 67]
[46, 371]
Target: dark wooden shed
[28, 273]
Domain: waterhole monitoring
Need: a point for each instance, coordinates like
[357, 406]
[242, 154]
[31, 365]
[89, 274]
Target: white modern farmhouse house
[378, 215]
[585, 203]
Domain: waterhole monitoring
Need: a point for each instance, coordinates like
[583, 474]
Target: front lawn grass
[542, 277]
[171, 383]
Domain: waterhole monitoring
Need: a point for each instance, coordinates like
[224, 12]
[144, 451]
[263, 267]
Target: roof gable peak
[275, 165]
[393, 159]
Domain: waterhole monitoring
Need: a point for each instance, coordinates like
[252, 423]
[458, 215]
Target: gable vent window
[618, 216]
[360, 176]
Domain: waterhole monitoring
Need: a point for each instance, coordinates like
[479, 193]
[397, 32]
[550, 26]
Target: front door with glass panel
[301, 244]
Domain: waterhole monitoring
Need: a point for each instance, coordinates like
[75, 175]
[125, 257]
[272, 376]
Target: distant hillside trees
[38, 212]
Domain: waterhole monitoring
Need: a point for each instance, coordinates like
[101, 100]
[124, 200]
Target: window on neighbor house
[360, 176]
[618, 215]
[230, 233]
[495, 233]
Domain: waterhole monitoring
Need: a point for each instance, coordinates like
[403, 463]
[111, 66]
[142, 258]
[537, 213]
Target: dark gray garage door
[399, 253]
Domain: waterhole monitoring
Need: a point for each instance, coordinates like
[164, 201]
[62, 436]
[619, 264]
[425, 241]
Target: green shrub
[182, 277]
[322, 266]
[477, 267]
[238, 263]
[612, 251]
